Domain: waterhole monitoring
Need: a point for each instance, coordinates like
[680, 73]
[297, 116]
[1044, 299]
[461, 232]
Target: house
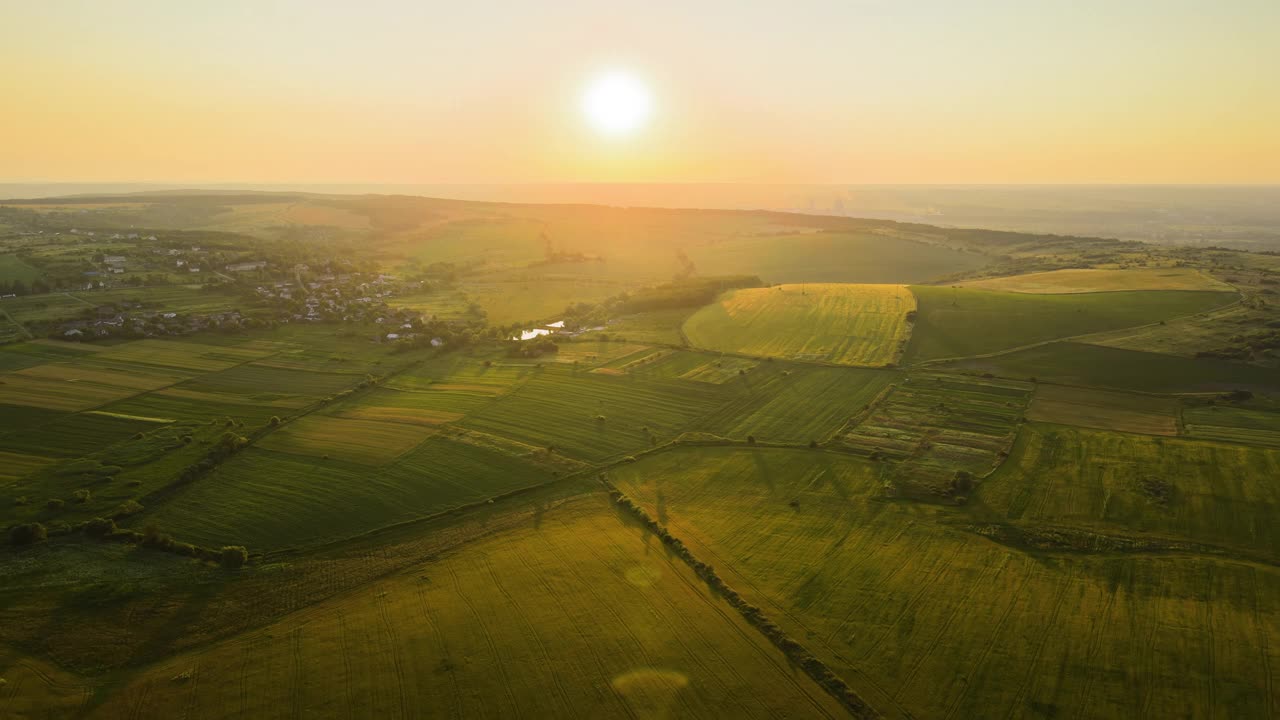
[393, 336]
[193, 269]
[73, 332]
[436, 342]
[114, 259]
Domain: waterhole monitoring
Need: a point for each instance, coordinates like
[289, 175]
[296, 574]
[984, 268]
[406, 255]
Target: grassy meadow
[843, 324]
[1102, 280]
[532, 622]
[960, 322]
[925, 619]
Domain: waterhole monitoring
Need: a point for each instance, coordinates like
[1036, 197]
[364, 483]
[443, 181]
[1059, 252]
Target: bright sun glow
[617, 103]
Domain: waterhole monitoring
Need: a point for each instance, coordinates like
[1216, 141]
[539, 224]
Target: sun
[617, 103]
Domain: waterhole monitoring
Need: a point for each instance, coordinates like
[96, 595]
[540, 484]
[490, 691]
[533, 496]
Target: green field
[1241, 425]
[796, 405]
[1095, 280]
[956, 323]
[1071, 363]
[1205, 492]
[926, 620]
[931, 426]
[330, 499]
[593, 416]
[831, 257]
[844, 324]
[534, 622]
[13, 269]
[1106, 410]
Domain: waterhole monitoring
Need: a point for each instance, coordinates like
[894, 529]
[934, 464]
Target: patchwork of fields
[843, 324]
[936, 425]
[534, 623]
[926, 620]
[1098, 280]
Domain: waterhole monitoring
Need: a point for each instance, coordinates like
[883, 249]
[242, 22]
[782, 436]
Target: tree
[962, 483]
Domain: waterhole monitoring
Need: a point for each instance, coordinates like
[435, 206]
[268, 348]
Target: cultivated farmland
[1104, 409]
[1097, 280]
[534, 622]
[843, 324]
[960, 322]
[1241, 425]
[932, 426]
[925, 619]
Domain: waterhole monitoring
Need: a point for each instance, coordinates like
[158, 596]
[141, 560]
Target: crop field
[14, 466]
[592, 416]
[533, 623]
[1205, 492]
[923, 618]
[844, 324]
[18, 389]
[366, 442]
[186, 356]
[1070, 363]
[831, 257]
[1099, 280]
[35, 689]
[16, 356]
[1105, 410]
[13, 268]
[329, 499]
[258, 381]
[796, 405]
[1241, 425]
[936, 425]
[597, 352]
[956, 322]
[73, 435]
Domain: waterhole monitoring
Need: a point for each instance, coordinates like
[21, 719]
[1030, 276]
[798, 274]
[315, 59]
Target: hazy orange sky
[848, 91]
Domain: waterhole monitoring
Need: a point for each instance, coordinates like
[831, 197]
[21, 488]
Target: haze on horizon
[852, 91]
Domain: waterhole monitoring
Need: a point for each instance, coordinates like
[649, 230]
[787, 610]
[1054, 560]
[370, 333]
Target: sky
[742, 91]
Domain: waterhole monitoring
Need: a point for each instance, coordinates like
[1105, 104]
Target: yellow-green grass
[595, 417]
[73, 435]
[1207, 492]
[363, 441]
[181, 403]
[936, 425]
[830, 256]
[962, 322]
[539, 298]
[1104, 409]
[458, 369]
[575, 615]
[14, 465]
[1215, 422]
[795, 405]
[844, 324]
[13, 268]
[720, 371]
[18, 389]
[270, 383]
[924, 619]
[596, 352]
[16, 356]
[1100, 280]
[25, 417]
[189, 356]
[35, 689]
[1073, 363]
[268, 500]
[95, 375]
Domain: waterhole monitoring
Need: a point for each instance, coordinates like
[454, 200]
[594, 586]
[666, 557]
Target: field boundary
[813, 667]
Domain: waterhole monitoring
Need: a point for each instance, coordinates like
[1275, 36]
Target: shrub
[127, 508]
[55, 504]
[234, 556]
[751, 439]
[82, 496]
[138, 436]
[21, 500]
[813, 443]
[600, 418]
[275, 420]
[27, 534]
[99, 527]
